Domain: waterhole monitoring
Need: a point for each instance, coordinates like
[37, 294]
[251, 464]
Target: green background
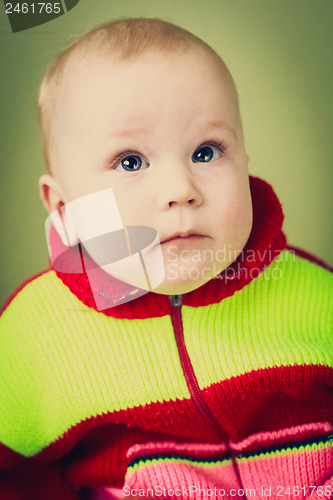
[280, 54]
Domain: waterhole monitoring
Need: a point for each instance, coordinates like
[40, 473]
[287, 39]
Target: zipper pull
[176, 300]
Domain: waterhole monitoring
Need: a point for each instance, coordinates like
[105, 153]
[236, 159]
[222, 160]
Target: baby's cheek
[235, 211]
[234, 224]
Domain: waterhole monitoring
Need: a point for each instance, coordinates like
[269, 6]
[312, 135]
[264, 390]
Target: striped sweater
[225, 391]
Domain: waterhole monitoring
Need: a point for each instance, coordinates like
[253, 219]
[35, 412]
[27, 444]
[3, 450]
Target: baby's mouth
[182, 237]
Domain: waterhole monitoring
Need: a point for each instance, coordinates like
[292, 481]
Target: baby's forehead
[85, 64]
[119, 79]
[96, 66]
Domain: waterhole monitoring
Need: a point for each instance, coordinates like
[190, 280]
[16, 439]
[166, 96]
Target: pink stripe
[302, 469]
[181, 476]
[293, 468]
[260, 440]
[272, 474]
[288, 435]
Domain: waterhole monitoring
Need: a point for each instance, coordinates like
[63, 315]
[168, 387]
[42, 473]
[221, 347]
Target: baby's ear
[50, 193]
[53, 199]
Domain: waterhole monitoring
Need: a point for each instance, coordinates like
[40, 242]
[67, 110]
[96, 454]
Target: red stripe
[272, 399]
[298, 395]
[179, 419]
[265, 400]
[9, 458]
[33, 481]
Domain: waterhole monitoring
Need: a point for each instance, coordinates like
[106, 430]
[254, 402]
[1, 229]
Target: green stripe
[137, 464]
[271, 322]
[157, 461]
[72, 363]
[287, 451]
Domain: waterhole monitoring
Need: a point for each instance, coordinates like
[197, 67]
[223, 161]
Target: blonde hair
[121, 39]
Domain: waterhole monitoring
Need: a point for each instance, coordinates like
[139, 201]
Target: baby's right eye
[131, 163]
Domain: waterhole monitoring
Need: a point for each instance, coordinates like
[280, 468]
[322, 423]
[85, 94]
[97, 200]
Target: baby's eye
[131, 163]
[205, 154]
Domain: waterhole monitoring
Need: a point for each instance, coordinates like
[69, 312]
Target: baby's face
[163, 131]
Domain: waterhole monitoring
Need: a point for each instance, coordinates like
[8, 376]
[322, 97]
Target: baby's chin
[169, 289]
[165, 277]
[180, 286]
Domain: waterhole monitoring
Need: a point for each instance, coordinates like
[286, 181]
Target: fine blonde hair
[122, 39]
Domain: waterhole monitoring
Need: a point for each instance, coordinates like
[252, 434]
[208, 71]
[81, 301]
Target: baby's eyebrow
[127, 131]
[223, 125]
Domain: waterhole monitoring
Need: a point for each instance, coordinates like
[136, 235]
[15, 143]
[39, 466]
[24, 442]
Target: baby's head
[148, 109]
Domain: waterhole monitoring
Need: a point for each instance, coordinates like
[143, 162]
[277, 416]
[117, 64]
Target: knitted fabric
[91, 399]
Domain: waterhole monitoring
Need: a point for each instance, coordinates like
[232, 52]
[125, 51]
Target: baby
[196, 360]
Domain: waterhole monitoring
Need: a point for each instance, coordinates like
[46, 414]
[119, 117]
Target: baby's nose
[179, 187]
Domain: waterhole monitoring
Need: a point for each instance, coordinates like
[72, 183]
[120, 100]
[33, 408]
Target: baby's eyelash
[221, 146]
[115, 161]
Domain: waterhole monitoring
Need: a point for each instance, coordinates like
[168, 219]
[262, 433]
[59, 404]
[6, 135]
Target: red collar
[265, 243]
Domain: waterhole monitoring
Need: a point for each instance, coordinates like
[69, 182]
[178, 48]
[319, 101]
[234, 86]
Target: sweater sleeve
[22, 475]
[24, 479]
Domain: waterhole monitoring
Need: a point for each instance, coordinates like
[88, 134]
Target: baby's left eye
[205, 154]
[132, 163]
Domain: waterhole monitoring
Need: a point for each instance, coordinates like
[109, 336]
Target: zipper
[191, 379]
